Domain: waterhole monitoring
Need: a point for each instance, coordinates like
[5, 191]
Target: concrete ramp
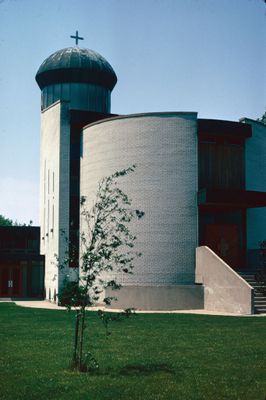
[224, 289]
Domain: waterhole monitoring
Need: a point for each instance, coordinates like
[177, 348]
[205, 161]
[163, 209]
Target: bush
[70, 295]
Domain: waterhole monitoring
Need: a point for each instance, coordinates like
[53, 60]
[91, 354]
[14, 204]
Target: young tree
[262, 119]
[106, 251]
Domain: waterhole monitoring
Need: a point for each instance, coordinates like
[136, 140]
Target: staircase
[259, 296]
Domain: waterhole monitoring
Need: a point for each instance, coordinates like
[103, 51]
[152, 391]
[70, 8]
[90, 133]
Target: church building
[200, 182]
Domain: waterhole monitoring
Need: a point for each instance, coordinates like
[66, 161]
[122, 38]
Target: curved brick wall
[164, 185]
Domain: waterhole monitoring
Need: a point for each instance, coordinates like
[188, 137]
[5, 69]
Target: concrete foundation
[176, 297]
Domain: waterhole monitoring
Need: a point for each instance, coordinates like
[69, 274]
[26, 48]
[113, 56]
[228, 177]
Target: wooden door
[10, 281]
[16, 281]
[4, 282]
[224, 240]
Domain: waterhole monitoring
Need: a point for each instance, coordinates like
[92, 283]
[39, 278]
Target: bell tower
[76, 85]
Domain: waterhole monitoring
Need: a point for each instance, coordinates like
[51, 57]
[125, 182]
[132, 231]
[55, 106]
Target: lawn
[148, 356]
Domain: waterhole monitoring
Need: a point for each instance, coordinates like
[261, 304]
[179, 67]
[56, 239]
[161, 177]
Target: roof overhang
[227, 198]
[220, 128]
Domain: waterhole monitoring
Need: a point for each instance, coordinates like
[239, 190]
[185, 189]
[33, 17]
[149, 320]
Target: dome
[78, 65]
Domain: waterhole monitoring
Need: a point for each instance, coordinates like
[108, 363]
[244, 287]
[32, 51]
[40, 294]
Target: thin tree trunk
[81, 337]
[76, 338]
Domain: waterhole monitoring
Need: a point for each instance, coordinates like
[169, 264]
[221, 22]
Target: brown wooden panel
[221, 165]
[224, 240]
[16, 279]
[4, 278]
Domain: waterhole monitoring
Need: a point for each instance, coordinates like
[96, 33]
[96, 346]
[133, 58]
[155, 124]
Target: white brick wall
[54, 191]
[164, 185]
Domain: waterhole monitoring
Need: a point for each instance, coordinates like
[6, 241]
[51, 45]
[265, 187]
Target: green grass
[148, 356]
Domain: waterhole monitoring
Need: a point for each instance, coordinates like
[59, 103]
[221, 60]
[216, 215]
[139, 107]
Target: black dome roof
[74, 64]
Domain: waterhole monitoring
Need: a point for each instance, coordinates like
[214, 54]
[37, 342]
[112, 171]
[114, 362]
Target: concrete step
[259, 305]
[260, 299]
[251, 279]
[259, 296]
[260, 310]
[255, 283]
[248, 278]
[247, 273]
[252, 283]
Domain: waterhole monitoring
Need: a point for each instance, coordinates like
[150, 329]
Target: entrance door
[10, 281]
[224, 240]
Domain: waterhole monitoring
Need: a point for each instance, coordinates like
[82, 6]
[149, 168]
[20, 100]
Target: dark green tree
[106, 247]
[9, 222]
[5, 221]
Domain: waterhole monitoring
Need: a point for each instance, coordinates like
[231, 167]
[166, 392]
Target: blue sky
[169, 55]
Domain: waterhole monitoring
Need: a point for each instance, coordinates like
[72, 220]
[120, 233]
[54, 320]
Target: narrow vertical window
[53, 182]
[44, 183]
[48, 183]
[48, 215]
[53, 218]
[44, 222]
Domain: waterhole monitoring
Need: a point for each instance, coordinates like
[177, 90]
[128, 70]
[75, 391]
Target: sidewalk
[52, 306]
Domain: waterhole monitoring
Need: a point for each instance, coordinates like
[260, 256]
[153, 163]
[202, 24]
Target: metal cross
[77, 37]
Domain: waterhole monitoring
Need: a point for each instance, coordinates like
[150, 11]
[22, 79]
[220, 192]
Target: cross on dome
[77, 38]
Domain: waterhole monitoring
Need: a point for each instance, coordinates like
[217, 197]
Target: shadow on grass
[134, 370]
[146, 369]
